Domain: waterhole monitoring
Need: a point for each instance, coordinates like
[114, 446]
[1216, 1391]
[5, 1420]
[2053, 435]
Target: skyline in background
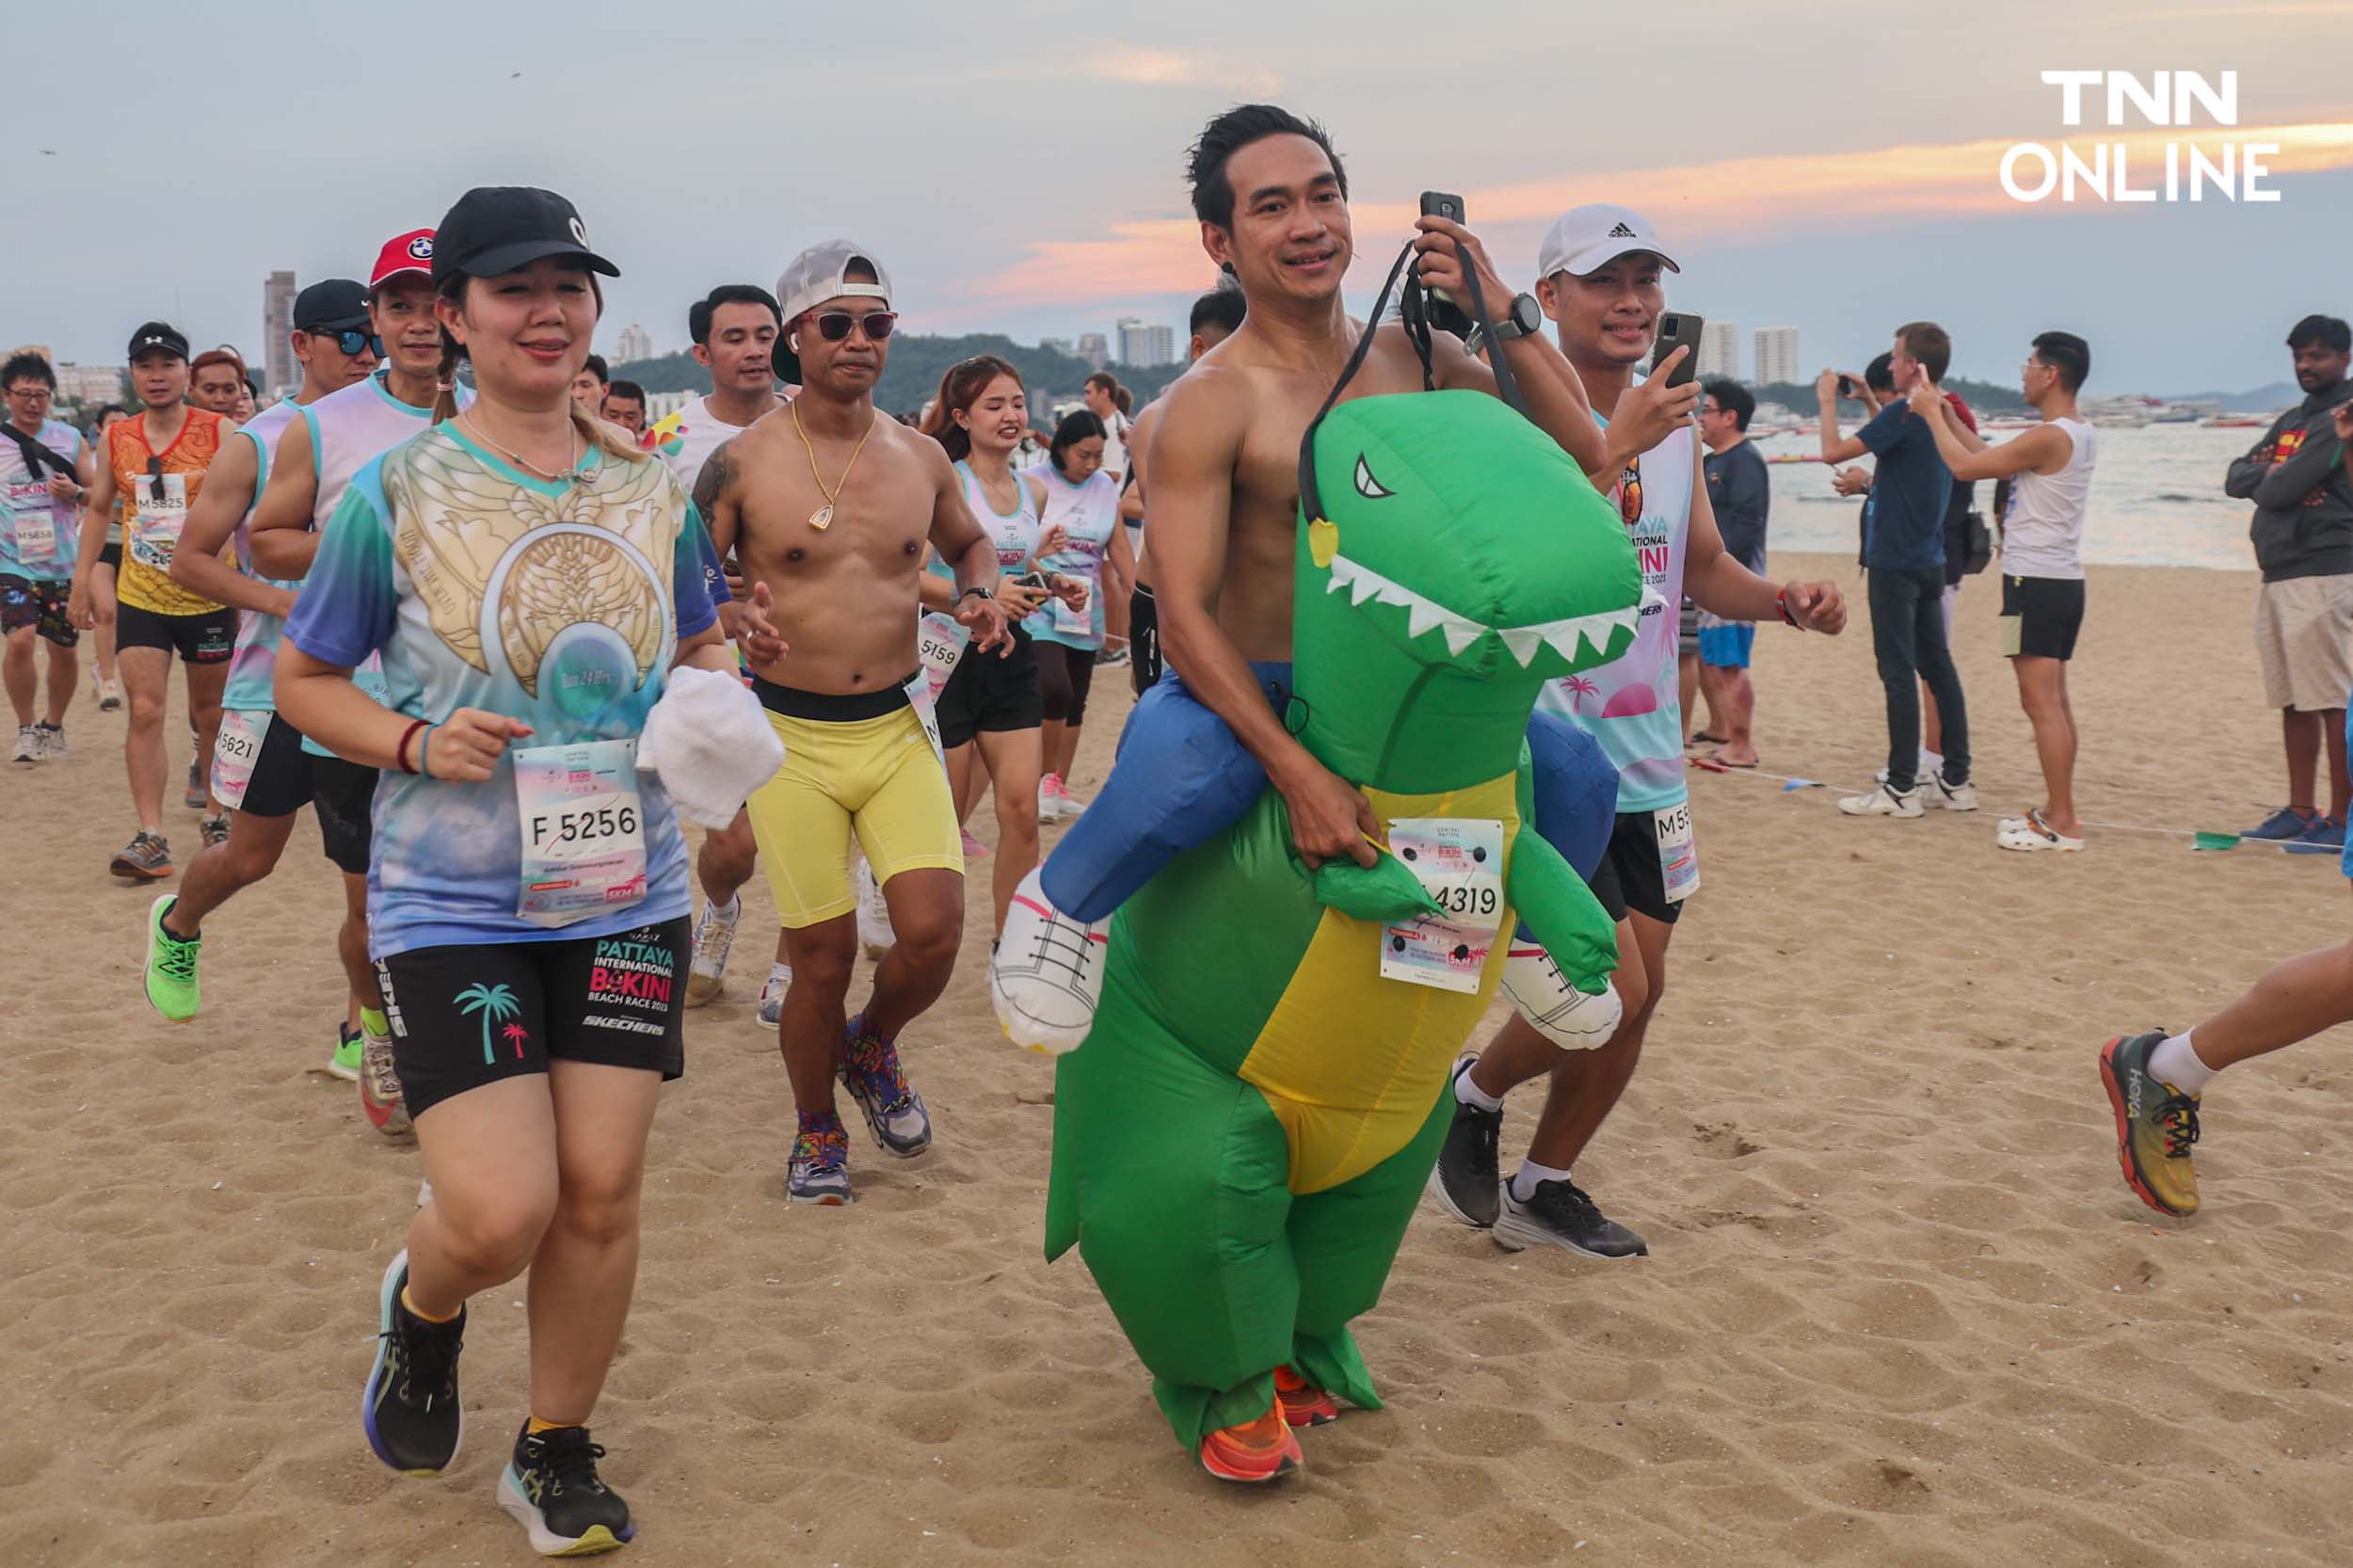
[1021, 171]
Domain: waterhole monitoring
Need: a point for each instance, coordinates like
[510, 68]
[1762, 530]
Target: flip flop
[1702, 738]
[1718, 758]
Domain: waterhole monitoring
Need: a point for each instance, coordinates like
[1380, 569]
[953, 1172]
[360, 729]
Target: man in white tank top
[2042, 569]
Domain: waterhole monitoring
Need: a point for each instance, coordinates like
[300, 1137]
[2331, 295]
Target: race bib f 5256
[583, 831]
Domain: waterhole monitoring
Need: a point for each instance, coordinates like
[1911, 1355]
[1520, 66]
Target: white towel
[710, 743]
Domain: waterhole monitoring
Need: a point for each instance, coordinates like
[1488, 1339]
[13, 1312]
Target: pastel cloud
[1173, 68]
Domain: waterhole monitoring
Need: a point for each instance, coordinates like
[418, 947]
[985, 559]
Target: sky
[1019, 167]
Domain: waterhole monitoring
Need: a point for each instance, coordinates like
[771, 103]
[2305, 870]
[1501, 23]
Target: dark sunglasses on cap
[351, 340]
[833, 326]
[155, 479]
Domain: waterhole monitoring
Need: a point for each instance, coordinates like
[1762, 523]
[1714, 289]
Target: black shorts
[1143, 639]
[466, 1016]
[286, 778]
[1629, 877]
[206, 638]
[988, 692]
[24, 601]
[110, 555]
[2041, 617]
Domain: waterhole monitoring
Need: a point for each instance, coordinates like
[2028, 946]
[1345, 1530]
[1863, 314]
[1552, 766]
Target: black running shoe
[1464, 1181]
[410, 1410]
[552, 1489]
[1558, 1214]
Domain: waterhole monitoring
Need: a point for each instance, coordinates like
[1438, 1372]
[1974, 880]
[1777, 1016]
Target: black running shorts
[1629, 877]
[464, 1016]
[286, 778]
[208, 638]
[986, 691]
[2041, 617]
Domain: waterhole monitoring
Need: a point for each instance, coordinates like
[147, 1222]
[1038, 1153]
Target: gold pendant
[822, 517]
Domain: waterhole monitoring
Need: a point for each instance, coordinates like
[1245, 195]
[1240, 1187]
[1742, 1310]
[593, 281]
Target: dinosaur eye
[1366, 486]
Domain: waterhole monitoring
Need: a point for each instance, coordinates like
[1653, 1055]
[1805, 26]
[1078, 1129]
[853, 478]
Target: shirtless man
[829, 506]
[1273, 202]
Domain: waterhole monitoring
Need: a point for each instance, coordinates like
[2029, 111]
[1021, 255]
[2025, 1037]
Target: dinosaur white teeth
[1522, 641]
[1460, 634]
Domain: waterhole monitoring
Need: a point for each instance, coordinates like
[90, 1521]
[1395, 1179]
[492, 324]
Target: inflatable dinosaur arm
[1562, 913]
[1386, 892]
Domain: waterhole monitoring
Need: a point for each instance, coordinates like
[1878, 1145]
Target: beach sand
[1900, 1308]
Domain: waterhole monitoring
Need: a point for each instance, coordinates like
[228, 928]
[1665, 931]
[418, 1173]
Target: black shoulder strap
[35, 454]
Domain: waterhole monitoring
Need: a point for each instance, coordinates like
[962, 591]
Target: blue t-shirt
[557, 602]
[1909, 487]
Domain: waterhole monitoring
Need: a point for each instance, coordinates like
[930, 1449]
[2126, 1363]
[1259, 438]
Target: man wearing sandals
[2043, 568]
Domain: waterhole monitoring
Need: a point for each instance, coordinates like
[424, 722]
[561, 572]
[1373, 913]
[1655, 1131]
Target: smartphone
[1445, 313]
[1846, 386]
[1678, 329]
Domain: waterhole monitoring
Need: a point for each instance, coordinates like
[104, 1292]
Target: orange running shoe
[1302, 1402]
[1259, 1450]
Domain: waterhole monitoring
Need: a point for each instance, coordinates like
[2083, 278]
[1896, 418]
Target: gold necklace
[822, 518]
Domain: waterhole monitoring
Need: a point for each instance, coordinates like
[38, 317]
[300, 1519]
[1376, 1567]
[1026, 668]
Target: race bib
[1678, 858]
[34, 524]
[1459, 861]
[242, 732]
[584, 838]
[926, 705]
[1068, 622]
[939, 642]
[155, 530]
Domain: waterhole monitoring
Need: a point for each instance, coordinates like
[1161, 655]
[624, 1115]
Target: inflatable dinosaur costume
[1241, 1142]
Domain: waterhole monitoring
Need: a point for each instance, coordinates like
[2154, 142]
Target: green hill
[912, 375]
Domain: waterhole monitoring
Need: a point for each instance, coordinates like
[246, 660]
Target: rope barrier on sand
[2200, 838]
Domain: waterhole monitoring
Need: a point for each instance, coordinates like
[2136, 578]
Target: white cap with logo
[1585, 239]
[815, 276]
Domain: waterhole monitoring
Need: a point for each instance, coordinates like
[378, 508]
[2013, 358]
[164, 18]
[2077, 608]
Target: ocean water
[2156, 499]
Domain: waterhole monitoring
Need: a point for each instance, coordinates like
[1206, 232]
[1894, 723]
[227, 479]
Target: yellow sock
[411, 1303]
[537, 1425]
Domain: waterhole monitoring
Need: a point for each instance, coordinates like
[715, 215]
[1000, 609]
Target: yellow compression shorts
[874, 775]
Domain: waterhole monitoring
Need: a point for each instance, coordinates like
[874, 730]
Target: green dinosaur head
[1460, 562]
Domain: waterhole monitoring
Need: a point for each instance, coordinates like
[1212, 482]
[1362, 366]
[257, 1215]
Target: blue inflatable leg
[1577, 792]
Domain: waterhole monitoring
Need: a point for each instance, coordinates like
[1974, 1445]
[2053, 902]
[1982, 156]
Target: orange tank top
[157, 490]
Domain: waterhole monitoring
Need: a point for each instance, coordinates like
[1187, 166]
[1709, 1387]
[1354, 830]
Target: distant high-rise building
[279, 371]
[1141, 344]
[634, 343]
[1719, 351]
[1093, 350]
[1776, 354]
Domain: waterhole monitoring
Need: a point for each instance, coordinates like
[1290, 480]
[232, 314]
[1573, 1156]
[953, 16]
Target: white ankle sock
[2177, 1061]
[1471, 1094]
[1523, 1180]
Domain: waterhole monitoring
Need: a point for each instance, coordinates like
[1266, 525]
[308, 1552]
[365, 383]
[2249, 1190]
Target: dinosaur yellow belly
[1351, 1062]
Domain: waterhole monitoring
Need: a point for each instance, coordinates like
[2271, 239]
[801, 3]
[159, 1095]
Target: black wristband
[968, 593]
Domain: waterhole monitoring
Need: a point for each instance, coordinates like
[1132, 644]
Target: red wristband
[1781, 602]
[400, 752]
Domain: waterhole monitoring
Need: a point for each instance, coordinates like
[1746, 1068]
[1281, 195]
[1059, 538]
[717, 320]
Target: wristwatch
[1524, 319]
[973, 593]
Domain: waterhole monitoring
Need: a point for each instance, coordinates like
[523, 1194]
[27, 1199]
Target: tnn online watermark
[2032, 171]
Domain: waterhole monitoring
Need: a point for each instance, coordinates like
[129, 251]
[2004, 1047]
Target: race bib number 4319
[1459, 862]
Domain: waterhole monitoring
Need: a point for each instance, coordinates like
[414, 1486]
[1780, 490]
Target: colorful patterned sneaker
[715, 937]
[410, 1410]
[819, 1171]
[27, 744]
[344, 1064]
[146, 858]
[894, 1113]
[2155, 1126]
[2286, 823]
[552, 1489]
[770, 1009]
[213, 830]
[379, 1088]
[172, 987]
[1302, 1402]
[1254, 1452]
[53, 747]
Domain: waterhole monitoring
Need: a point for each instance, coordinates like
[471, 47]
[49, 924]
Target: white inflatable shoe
[1047, 976]
[1560, 1011]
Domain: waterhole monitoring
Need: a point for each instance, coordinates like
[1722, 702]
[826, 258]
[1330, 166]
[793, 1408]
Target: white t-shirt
[700, 434]
[1115, 443]
[2042, 534]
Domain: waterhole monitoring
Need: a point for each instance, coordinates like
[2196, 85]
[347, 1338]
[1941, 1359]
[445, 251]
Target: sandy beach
[1900, 1309]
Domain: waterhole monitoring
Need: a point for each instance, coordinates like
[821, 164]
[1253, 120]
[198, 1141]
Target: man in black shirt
[1737, 488]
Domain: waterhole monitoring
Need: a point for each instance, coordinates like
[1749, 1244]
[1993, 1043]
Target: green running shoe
[344, 1064]
[170, 965]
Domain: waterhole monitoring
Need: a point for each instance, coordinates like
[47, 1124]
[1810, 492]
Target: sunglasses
[351, 340]
[833, 326]
[155, 479]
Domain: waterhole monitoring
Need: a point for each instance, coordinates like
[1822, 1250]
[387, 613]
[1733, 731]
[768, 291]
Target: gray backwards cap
[813, 276]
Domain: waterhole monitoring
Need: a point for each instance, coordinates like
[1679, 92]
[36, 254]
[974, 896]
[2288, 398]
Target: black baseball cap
[331, 305]
[498, 229]
[156, 335]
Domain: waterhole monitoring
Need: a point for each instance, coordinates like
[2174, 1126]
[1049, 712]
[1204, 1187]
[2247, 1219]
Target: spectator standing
[1740, 491]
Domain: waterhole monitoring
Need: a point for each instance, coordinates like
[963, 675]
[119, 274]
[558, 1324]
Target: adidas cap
[1586, 239]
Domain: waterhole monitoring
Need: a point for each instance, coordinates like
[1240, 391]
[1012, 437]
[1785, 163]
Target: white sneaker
[1046, 975]
[1557, 1011]
[874, 916]
[1882, 802]
[1065, 804]
[53, 747]
[715, 937]
[772, 994]
[1049, 799]
[27, 744]
[109, 695]
[1953, 797]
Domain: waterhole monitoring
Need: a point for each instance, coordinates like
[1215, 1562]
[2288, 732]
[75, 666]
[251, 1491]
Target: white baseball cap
[815, 276]
[1585, 239]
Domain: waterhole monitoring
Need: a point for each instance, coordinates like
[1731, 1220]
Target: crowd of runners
[505, 639]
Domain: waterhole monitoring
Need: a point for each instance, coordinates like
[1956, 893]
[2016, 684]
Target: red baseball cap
[408, 252]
